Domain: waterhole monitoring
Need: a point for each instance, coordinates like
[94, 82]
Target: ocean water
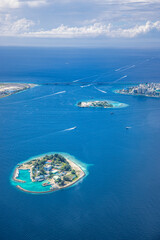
[120, 197]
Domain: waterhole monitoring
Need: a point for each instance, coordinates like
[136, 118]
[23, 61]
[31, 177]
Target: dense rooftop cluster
[146, 89]
[54, 168]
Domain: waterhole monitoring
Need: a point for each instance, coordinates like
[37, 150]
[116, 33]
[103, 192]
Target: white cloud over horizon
[23, 28]
[79, 19]
[95, 30]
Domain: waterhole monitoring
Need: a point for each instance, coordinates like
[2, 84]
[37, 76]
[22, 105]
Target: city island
[145, 89]
[101, 104]
[47, 173]
[7, 89]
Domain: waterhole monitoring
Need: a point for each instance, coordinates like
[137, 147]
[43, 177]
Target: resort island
[7, 89]
[145, 89]
[47, 174]
[101, 104]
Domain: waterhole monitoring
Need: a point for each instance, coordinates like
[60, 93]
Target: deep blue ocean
[120, 198]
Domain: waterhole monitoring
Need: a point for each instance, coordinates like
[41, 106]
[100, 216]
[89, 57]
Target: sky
[119, 23]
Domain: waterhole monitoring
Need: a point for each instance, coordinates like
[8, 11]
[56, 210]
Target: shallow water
[28, 185]
[114, 104]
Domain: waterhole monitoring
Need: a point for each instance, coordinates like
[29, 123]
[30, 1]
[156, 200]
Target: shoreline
[140, 95]
[88, 104]
[15, 178]
[52, 190]
[74, 165]
[20, 88]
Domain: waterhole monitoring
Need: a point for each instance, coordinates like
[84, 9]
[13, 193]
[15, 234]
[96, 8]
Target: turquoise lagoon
[34, 187]
[118, 104]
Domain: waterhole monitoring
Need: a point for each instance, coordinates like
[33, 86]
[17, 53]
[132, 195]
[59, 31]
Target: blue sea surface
[120, 197]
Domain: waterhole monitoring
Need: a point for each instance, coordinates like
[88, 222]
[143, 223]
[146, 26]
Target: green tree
[73, 171]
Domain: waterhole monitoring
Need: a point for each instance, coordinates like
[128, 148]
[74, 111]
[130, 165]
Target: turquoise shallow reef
[118, 104]
[120, 197]
[28, 185]
[24, 175]
[115, 104]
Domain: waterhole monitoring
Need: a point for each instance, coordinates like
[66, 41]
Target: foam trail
[48, 95]
[125, 68]
[49, 134]
[26, 101]
[86, 85]
[146, 60]
[120, 78]
[77, 80]
[69, 129]
[100, 90]
[128, 68]
[118, 69]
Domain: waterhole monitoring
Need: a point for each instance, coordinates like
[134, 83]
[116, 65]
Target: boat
[46, 184]
[128, 127]
[68, 129]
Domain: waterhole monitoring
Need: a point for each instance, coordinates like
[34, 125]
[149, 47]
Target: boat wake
[118, 69]
[124, 68]
[132, 66]
[86, 85]
[120, 78]
[100, 90]
[69, 129]
[56, 93]
[77, 80]
[48, 134]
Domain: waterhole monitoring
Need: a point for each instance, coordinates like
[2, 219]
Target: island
[144, 89]
[46, 174]
[7, 89]
[100, 104]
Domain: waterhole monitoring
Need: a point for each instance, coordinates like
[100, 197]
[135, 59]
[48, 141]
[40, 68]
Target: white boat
[68, 129]
[128, 127]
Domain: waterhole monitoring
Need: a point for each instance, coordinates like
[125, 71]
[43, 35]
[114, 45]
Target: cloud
[36, 3]
[5, 4]
[95, 30]
[24, 28]
[8, 27]
[125, 1]
[9, 4]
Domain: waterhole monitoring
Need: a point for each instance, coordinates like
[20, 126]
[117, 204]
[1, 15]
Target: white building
[39, 178]
[48, 167]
